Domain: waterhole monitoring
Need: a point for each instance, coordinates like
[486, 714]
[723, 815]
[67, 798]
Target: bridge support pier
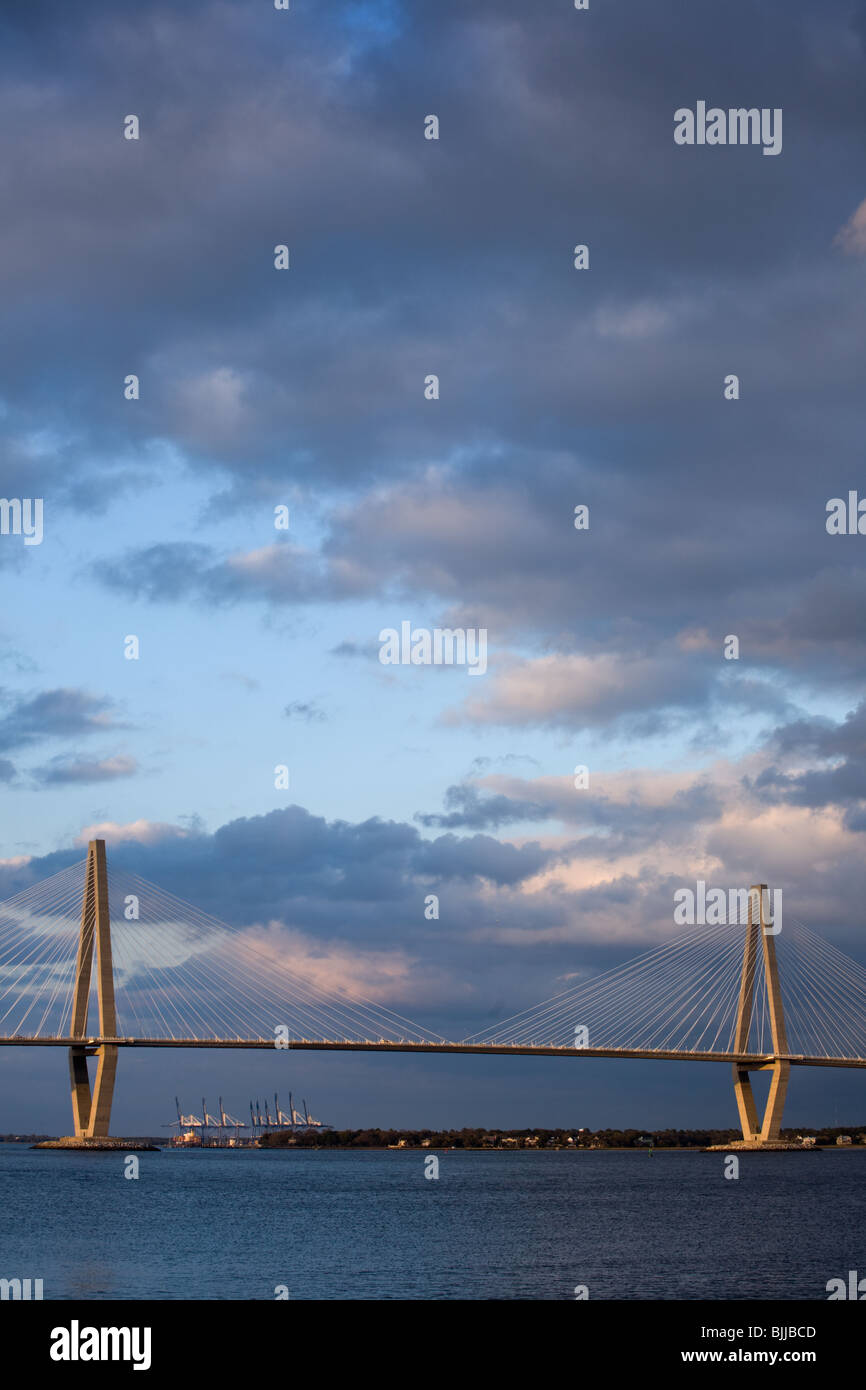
[91, 1111]
[768, 1130]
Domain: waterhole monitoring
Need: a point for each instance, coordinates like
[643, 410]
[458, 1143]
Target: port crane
[195, 1129]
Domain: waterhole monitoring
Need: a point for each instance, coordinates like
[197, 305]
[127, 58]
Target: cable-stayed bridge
[95, 966]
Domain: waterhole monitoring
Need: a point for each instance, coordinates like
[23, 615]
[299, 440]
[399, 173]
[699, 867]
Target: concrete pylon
[91, 1112]
[767, 1130]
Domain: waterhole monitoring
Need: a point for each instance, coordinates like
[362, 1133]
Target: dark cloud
[58, 713]
[363, 884]
[163, 572]
[661, 583]
[410, 257]
[824, 738]
[834, 786]
[498, 943]
[452, 259]
[842, 784]
[611, 826]
[468, 809]
[557, 388]
[480, 856]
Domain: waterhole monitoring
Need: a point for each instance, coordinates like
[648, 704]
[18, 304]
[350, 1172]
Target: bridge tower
[766, 1131]
[91, 1111]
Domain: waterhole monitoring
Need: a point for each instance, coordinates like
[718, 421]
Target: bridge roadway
[752, 1060]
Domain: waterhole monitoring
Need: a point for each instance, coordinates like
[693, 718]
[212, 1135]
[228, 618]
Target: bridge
[157, 972]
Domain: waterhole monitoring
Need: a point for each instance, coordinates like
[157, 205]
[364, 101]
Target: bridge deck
[746, 1059]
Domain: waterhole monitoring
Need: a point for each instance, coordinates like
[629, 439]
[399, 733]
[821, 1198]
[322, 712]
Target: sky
[304, 389]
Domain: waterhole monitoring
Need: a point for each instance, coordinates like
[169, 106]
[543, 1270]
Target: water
[222, 1224]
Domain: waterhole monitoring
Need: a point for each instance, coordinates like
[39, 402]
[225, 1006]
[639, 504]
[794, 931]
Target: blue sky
[557, 387]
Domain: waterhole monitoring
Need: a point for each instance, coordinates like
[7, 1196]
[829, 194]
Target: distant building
[808, 1140]
[843, 1139]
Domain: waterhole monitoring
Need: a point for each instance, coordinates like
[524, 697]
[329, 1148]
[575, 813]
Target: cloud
[558, 388]
[641, 693]
[212, 406]
[468, 809]
[617, 812]
[60, 713]
[255, 380]
[307, 710]
[383, 976]
[634, 322]
[627, 625]
[140, 832]
[481, 857]
[823, 737]
[243, 365]
[368, 651]
[852, 237]
[172, 571]
[63, 770]
[839, 780]
[516, 915]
